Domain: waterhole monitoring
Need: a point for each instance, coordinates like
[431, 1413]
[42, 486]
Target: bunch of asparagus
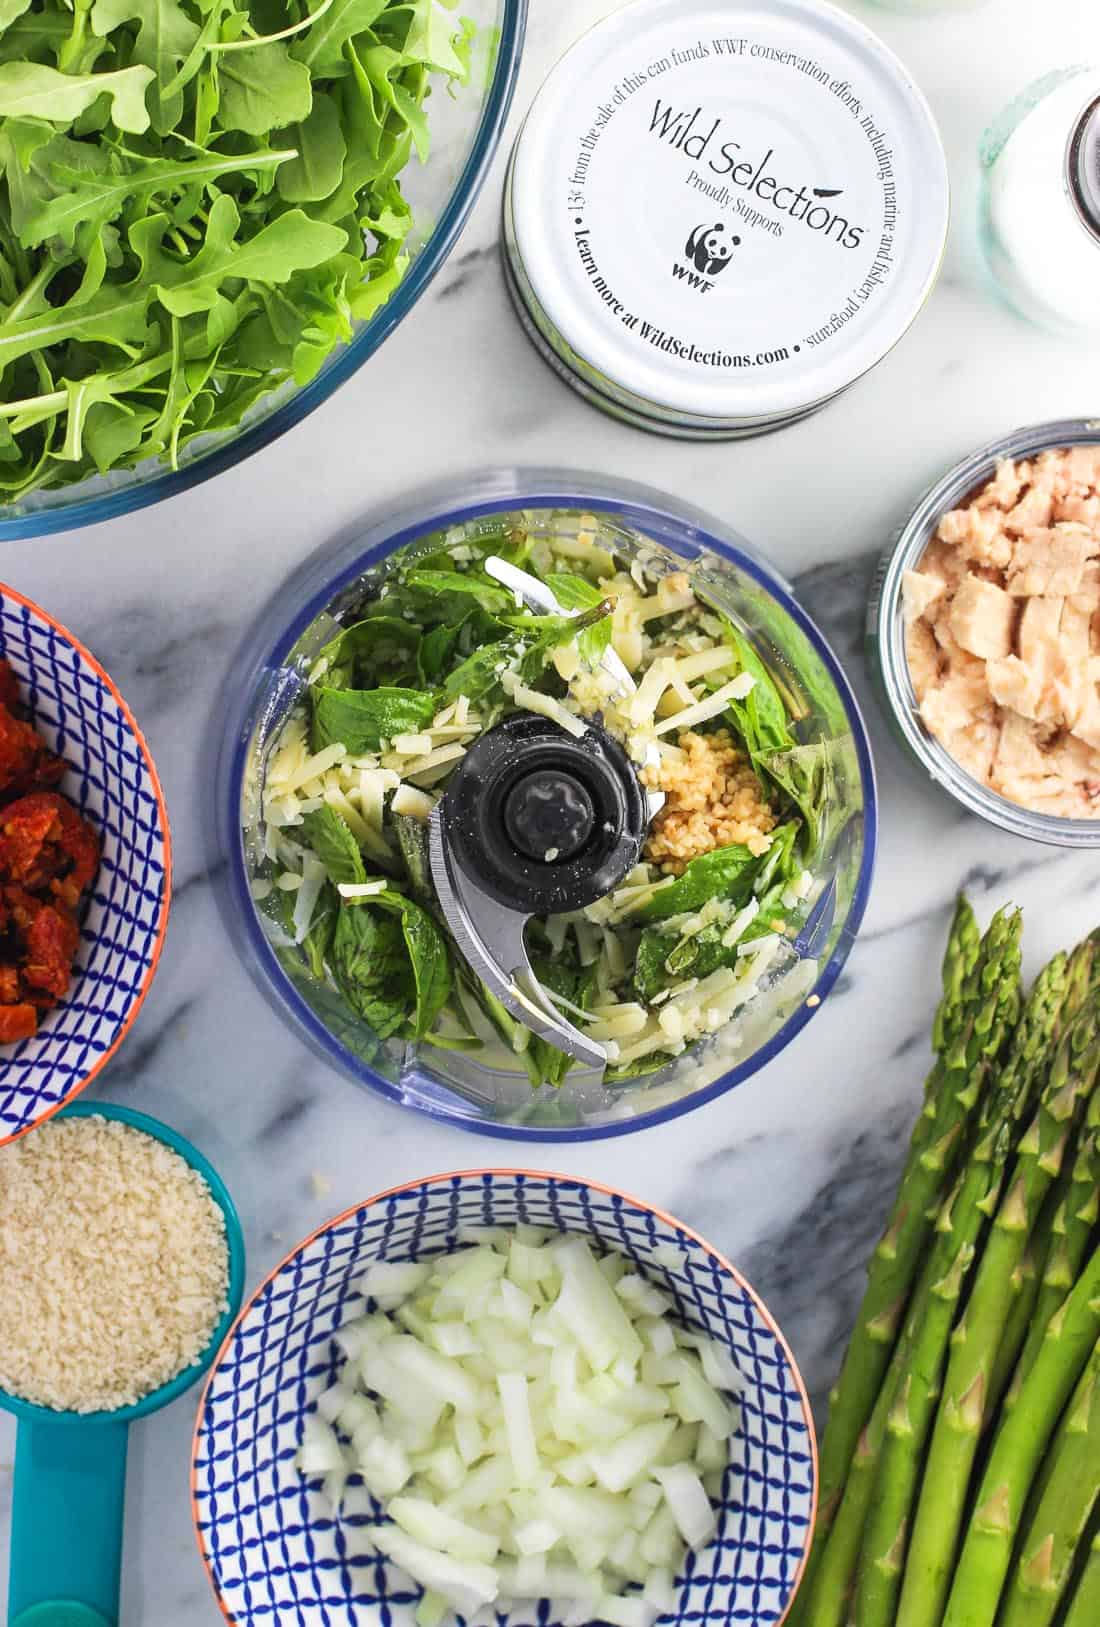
[960, 1469]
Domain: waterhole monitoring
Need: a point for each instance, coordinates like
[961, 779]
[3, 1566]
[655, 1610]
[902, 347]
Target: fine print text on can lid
[726, 214]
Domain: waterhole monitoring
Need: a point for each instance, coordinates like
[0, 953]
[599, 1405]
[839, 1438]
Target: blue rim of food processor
[164, 1394]
[687, 532]
[109, 504]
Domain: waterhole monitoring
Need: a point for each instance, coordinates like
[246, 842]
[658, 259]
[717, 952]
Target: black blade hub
[544, 822]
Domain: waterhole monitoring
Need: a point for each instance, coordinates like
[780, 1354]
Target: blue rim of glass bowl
[685, 533]
[107, 505]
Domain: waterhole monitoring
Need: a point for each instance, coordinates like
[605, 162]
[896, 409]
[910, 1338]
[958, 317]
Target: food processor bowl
[490, 1091]
[465, 124]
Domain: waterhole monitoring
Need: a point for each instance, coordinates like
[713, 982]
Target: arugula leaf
[361, 719]
[317, 170]
[292, 242]
[322, 47]
[157, 288]
[263, 89]
[10, 10]
[33, 90]
[165, 37]
[331, 840]
[433, 34]
[99, 196]
[726, 872]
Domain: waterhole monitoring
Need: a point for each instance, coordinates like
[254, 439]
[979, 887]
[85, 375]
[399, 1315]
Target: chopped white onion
[535, 1423]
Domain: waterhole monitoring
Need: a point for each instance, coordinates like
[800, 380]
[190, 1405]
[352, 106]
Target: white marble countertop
[788, 1175]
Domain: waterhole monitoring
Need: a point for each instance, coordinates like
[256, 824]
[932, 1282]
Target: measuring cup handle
[66, 1529]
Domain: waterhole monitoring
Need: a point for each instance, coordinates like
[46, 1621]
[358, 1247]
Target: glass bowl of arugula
[389, 655]
[212, 215]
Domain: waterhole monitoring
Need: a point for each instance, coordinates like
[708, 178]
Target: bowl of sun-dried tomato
[85, 866]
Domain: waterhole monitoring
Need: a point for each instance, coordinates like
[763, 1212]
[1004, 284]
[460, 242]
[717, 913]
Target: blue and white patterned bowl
[270, 1544]
[111, 779]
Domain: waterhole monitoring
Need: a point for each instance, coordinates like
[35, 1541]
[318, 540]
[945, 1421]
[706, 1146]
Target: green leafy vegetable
[377, 649]
[726, 872]
[331, 840]
[665, 957]
[372, 968]
[33, 90]
[412, 839]
[361, 719]
[321, 148]
[198, 201]
[573, 592]
[761, 717]
[391, 960]
[438, 584]
[560, 974]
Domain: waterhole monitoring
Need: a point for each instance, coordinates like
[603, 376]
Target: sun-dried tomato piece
[17, 1022]
[28, 828]
[9, 985]
[45, 843]
[9, 687]
[51, 943]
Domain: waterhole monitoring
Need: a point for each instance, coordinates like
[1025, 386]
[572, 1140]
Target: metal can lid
[729, 210]
[1083, 166]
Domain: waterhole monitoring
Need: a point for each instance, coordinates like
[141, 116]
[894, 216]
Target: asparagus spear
[991, 997]
[928, 1331]
[1042, 1574]
[1085, 1609]
[1021, 1439]
[959, 960]
[992, 1000]
[963, 1405]
[1071, 1233]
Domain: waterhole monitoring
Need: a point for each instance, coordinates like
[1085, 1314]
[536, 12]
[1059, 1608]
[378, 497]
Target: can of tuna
[719, 214]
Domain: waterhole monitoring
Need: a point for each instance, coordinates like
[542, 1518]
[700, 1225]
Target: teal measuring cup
[70, 1468]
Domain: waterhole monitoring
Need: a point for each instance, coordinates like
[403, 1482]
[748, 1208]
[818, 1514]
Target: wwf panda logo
[709, 249]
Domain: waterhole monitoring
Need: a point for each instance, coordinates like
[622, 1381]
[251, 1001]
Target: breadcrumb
[114, 1263]
[713, 799]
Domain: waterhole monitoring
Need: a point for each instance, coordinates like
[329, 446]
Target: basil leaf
[576, 983]
[318, 940]
[474, 584]
[361, 719]
[428, 960]
[372, 968]
[331, 840]
[761, 716]
[573, 592]
[377, 647]
[412, 839]
[727, 872]
[805, 774]
[431, 961]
